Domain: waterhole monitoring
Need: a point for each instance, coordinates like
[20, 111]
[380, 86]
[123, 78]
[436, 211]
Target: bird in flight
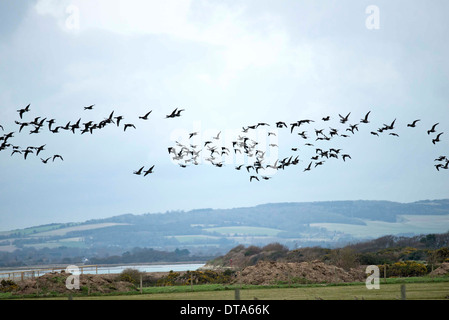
[433, 129]
[45, 160]
[148, 171]
[413, 124]
[22, 111]
[145, 117]
[139, 172]
[128, 125]
[57, 156]
[89, 107]
[344, 119]
[175, 113]
[437, 139]
[253, 177]
[365, 120]
[308, 168]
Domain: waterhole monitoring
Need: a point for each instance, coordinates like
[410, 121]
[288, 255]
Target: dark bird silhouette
[394, 134]
[346, 156]
[25, 153]
[173, 114]
[128, 125]
[139, 172]
[22, 111]
[432, 129]
[413, 124]
[308, 168]
[374, 133]
[326, 118]
[16, 151]
[253, 177]
[281, 124]
[145, 117]
[389, 127]
[45, 160]
[39, 149]
[437, 139]
[344, 119]
[57, 156]
[118, 118]
[2, 127]
[148, 171]
[89, 107]
[365, 120]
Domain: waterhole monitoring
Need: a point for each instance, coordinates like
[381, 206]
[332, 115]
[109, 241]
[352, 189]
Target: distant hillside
[208, 231]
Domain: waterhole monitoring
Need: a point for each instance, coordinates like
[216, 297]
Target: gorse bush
[405, 269]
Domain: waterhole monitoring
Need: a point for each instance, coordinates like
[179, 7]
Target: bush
[130, 275]
[406, 269]
[8, 286]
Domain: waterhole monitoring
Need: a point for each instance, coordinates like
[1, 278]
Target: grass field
[423, 288]
[419, 224]
[245, 230]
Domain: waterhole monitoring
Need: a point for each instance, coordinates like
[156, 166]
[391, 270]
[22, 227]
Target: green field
[418, 224]
[245, 231]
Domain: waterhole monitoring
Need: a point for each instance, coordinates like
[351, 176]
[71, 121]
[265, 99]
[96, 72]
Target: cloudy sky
[229, 65]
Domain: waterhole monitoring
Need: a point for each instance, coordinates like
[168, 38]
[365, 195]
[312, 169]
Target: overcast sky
[229, 64]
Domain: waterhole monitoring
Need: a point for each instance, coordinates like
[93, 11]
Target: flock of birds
[258, 165]
[255, 156]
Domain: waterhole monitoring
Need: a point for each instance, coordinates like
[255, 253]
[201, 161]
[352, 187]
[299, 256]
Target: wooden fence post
[403, 294]
[237, 294]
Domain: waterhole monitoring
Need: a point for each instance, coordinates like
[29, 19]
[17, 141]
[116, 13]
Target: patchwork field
[418, 224]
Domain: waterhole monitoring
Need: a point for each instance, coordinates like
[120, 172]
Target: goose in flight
[175, 113]
[326, 118]
[89, 107]
[346, 156]
[145, 117]
[22, 111]
[45, 160]
[437, 139]
[149, 171]
[39, 149]
[253, 177]
[308, 168]
[129, 125]
[139, 172]
[281, 124]
[57, 156]
[365, 120]
[413, 124]
[433, 129]
[344, 119]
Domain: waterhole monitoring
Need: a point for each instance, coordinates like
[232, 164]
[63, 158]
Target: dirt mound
[270, 272]
[56, 283]
[442, 270]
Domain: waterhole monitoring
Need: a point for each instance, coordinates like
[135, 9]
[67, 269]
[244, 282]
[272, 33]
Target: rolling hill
[328, 223]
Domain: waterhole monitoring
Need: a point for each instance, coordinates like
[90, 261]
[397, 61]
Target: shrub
[130, 275]
[406, 269]
[8, 286]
